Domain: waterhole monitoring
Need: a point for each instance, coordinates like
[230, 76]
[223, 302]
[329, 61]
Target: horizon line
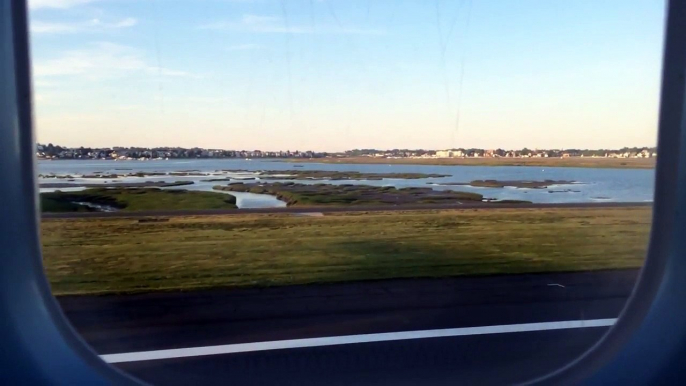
[358, 149]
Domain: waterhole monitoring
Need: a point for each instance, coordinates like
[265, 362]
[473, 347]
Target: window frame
[40, 346]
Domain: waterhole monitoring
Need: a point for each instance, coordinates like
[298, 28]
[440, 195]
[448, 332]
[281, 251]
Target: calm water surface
[594, 185]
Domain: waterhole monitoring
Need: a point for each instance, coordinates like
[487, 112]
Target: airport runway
[339, 209]
[131, 324]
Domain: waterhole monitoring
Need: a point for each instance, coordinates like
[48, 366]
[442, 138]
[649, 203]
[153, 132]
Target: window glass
[296, 191]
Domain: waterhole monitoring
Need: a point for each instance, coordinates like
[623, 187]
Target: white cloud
[101, 60]
[128, 22]
[244, 47]
[40, 27]
[93, 25]
[274, 24]
[41, 83]
[37, 4]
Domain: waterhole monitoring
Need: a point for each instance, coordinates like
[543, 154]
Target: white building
[449, 153]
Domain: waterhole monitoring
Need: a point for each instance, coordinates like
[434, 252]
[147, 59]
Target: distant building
[452, 153]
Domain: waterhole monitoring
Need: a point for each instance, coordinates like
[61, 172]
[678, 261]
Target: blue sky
[342, 74]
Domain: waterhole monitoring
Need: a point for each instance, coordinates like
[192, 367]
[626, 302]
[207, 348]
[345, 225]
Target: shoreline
[576, 162]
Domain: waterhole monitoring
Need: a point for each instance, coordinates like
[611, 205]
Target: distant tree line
[57, 151]
[52, 151]
[499, 152]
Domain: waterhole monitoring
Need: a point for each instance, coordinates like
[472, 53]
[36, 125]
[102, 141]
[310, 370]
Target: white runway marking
[350, 339]
[556, 285]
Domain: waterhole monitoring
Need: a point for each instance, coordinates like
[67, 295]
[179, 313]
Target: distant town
[51, 151]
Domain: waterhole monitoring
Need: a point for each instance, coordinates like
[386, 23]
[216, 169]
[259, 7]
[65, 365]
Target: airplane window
[286, 192]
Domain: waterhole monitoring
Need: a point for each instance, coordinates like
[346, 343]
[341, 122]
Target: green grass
[349, 194]
[50, 204]
[136, 199]
[124, 255]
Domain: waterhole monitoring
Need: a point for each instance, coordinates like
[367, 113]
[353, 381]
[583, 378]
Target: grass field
[576, 162]
[138, 199]
[182, 253]
[295, 194]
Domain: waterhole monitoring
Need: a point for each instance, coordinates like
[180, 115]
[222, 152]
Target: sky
[332, 75]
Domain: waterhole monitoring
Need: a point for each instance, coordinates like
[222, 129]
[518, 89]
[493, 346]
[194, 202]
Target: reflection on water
[74, 189]
[97, 207]
[246, 200]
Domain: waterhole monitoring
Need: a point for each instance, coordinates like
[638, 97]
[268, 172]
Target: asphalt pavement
[116, 324]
